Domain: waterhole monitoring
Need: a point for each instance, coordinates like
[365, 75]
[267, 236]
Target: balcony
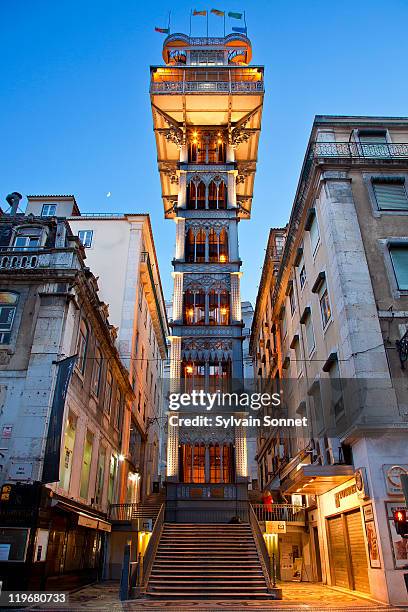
[206, 80]
[347, 150]
[280, 512]
[31, 258]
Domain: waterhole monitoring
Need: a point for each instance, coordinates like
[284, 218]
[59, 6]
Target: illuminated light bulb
[189, 369]
[223, 258]
[223, 311]
[195, 134]
[219, 141]
[121, 457]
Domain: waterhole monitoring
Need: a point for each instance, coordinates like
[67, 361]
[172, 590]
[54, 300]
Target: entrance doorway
[317, 562]
[348, 557]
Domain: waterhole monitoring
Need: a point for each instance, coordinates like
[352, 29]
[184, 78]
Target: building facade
[121, 253]
[54, 528]
[335, 318]
[207, 106]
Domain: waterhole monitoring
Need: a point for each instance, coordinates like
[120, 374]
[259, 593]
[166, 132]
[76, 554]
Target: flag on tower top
[162, 30]
[218, 13]
[201, 13]
[235, 15]
[241, 30]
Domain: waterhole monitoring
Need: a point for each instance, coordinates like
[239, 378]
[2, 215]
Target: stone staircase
[149, 508]
[207, 561]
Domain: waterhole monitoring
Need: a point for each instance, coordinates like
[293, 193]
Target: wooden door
[358, 555]
[338, 552]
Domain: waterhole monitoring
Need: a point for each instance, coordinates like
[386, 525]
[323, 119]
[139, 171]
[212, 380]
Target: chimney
[13, 200]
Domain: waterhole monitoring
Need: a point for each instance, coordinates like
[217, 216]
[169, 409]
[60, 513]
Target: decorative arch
[196, 194]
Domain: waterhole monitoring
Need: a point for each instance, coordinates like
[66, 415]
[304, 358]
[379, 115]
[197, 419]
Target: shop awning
[85, 518]
[316, 479]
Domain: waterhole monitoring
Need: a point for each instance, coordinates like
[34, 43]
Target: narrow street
[302, 596]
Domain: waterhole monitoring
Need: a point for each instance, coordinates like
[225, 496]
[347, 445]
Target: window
[119, 409]
[196, 195]
[217, 196]
[97, 372]
[142, 358]
[194, 307]
[390, 194]
[139, 402]
[195, 246]
[28, 238]
[219, 307]
[373, 143]
[292, 301]
[399, 258]
[140, 297]
[48, 210]
[284, 324]
[86, 465]
[325, 308]
[67, 452]
[302, 276]
[100, 475]
[218, 246]
[314, 235]
[82, 346]
[85, 237]
[8, 308]
[108, 392]
[113, 467]
[310, 340]
[298, 358]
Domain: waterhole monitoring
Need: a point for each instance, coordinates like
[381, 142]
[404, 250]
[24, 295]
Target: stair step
[198, 587]
[231, 578]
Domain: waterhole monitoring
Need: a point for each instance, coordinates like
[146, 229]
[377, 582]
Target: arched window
[190, 246]
[194, 307]
[8, 308]
[82, 346]
[196, 196]
[219, 374]
[198, 463]
[219, 307]
[227, 463]
[215, 463]
[218, 246]
[217, 196]
[200, 247]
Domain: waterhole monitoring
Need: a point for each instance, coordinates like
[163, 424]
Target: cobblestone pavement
[296, 596]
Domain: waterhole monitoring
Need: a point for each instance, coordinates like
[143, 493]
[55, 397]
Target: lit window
[86, 465]
[85, 237]
[8, 308]
[219, 307]
[113, 468]
[399, 258]
[194, 307]
[82, 346]
[119, 409]
[100, 475]
[49, 210]
[314, 235]
[325, 308]
[67, 452]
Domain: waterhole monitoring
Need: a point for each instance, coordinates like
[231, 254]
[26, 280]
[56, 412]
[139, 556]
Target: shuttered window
[391, 195]
[399, 258]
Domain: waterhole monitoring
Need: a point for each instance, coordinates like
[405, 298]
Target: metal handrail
[260, 547]
[279, 512]
[122, 512]
[366, 150]
[150, 552]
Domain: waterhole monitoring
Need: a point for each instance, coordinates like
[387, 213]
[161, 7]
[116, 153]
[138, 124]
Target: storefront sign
[5, 492]
[21, 470]
[392, 475]
[87, 521]
[275, 526]
[344, 493]
[372, 544]
[102, 526]
[361, 483]
[53, 444]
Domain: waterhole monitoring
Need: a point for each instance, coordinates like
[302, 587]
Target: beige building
[330, 331]
[120, 251]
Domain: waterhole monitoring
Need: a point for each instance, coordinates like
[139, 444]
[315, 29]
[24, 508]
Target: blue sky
[75, 112]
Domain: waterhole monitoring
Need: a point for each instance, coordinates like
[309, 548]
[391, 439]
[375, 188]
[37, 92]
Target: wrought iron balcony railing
[367, 150]
[207, 80]
[279, 512]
